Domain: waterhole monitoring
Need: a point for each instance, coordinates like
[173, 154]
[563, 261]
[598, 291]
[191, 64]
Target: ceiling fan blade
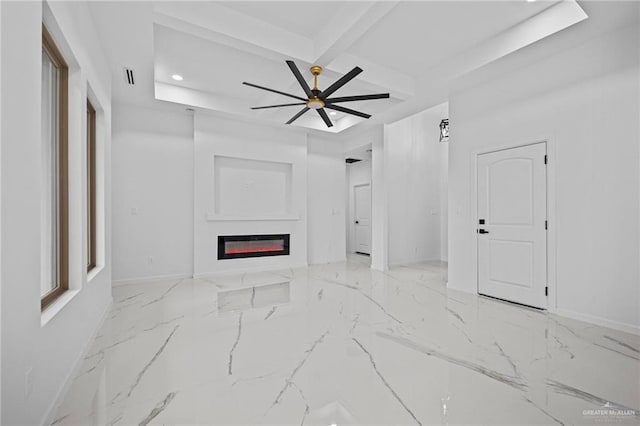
[341, 82]
[275, 91]
[357, 98]
[347, 110]
[295, 117]
[325, 117]
[277, 106]
[298, 76]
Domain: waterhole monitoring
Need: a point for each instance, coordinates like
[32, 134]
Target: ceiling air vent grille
[128, 76]
[352, 160]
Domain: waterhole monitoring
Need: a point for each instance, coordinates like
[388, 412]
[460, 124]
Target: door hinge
[545, 159]
[546, 291]
[546, 225]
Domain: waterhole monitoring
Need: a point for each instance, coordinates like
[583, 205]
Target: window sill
[94, 273]
[55, 307]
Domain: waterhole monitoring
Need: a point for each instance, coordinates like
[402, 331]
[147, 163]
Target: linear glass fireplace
[238, 246]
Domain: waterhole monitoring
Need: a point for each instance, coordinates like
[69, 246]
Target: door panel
[512, 202]
[362, 220]
[510, 196]
[510, 262]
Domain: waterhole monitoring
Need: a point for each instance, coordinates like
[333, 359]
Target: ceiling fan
[320, 99]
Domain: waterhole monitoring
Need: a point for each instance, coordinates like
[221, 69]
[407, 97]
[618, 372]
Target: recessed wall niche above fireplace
[240, 246]
[246, 188]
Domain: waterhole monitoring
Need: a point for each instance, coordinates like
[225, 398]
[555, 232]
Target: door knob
[482, 231]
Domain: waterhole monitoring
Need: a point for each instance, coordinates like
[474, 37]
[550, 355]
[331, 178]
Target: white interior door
[362, 219]
[512, 214]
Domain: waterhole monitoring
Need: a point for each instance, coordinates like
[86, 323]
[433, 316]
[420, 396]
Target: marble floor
[340, 344]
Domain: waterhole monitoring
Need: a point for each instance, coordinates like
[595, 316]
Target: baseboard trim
[604, 322]
[49, 416]
[140, 280]
[591, 319]
[129, 281]
[413, 262]
[247, 270]
[452, 285]
[328, 262]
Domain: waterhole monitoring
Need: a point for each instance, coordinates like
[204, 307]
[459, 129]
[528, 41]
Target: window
[55, 234]
[91, 187]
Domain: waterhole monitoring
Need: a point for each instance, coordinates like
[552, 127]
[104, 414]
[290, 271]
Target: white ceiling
[296, 17]
[409, 49]
[416, 36]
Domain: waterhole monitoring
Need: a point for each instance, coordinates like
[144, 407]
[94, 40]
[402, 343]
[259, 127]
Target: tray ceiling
[410, 49]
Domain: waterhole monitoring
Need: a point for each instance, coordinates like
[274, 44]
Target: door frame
[353, 219]
[552, 302]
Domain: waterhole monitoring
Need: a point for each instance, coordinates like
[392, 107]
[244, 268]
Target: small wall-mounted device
[444, 130]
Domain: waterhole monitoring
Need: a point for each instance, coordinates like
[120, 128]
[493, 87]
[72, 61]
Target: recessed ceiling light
[332, 113]
[530, 1]
[177, 77]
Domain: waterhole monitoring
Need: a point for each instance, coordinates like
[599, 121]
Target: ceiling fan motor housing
[315, 103]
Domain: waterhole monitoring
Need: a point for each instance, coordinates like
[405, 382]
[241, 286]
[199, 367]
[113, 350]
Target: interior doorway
[512, 224]
[359, 207]
[362, 218]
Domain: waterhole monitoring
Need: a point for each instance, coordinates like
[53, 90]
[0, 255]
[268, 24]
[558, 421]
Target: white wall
[444, 201]
[325, 201]
[0, 217]
[218, 136]
[379, 228]
[413, 174]
[153, 193]
[164, 180]
[49, 346]
[578, 90]
[357, 174]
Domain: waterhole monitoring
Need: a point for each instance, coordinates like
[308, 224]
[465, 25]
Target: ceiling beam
[352, 22]
[212, 21]
[435, 88]
[548, 22]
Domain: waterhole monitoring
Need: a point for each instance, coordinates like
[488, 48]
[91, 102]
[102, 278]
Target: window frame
[61, 279]
[92, 217]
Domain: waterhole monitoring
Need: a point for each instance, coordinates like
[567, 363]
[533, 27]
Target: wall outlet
[134, 211]
[28, 382]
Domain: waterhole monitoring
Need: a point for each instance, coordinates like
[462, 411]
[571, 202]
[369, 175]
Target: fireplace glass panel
[233, 247]
[239, 246]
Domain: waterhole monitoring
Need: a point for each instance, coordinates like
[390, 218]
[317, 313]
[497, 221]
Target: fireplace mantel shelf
[277, 218]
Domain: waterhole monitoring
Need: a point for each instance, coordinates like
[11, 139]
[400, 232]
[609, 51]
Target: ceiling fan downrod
[315, 102]
[316, 70]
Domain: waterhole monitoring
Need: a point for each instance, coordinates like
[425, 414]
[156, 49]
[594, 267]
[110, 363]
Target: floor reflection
[254, 297]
